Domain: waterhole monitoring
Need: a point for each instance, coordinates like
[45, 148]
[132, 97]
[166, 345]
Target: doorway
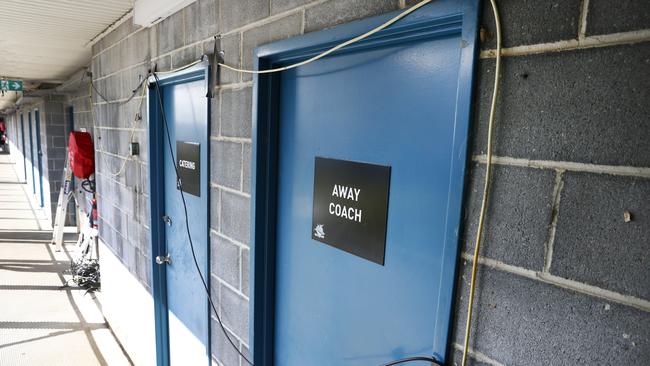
[359, 176]
[39, 156]
[22, 145]
[31, 151]
[181, 304]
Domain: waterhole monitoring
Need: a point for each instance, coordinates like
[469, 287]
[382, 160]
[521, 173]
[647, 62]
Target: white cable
[335, 48]
[136, 118]
[486, 186]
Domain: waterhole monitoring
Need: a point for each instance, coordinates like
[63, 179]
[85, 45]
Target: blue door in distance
[31, 151]
[399, 100]
[24, 150]
[39, 156]
[186, 110]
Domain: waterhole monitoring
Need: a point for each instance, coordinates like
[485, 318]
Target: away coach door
[181, 303]
[359, 173]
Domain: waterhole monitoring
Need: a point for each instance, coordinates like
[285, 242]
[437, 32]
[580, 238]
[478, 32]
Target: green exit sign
[14, 85]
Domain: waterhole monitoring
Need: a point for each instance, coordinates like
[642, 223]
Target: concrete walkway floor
[42, 323]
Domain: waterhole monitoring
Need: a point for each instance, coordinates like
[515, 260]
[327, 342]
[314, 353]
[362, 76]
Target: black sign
[351, 207]
[188, 156]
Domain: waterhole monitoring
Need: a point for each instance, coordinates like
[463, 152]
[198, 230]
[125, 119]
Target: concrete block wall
[563, 278]
[54, 129]
[561, 275]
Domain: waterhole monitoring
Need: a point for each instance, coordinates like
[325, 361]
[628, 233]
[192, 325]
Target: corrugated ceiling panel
[47, 39]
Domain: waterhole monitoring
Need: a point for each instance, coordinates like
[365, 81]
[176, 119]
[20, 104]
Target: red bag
[81, 154]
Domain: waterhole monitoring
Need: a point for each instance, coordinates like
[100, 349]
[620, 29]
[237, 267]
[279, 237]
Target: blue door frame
[157, 143]
[31, 150]
[439, 18]
[22, 137]
[39, 155]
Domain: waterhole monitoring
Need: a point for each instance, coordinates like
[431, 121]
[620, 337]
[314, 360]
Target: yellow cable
[486, 187]
[180, 68]
[335, 48]
[134, 122]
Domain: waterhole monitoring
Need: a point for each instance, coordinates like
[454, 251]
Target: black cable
[88, 185]
[133, 94]
[187, 224]
[413, 359]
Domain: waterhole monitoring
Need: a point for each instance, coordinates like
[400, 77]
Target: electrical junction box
[134, 149]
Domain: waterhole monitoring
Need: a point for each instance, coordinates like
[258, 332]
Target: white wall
[128, 308]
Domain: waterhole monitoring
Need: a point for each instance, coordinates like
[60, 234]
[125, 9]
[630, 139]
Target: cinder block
[226, 163]
[232, 56]
[236, 13]
[331, 13]
[186, 56]
[142, 137]
[278, 6]
[126, 201]
[224, 259]
[234, 312]
[110, 238]
[129, 257]
[580, 106]
[131, 80]
[222, 349]
[525, 22]
[613, 16]
[144, 270]
[170, 33]
[593, 243]
[110, 141]
[201, 20]
[163, 63]
[58, 141]
[136, 48]
[245, 271]
[215, 112]
[132, 177]
[235, 216]
[518, 216]
[144, 211]
[236, 109]
[246, 176]
[113, 60]
[117, 34]
[519, 321]
[215, 207]
[282, 28]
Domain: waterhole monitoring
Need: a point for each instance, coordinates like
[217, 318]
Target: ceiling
[47, 40]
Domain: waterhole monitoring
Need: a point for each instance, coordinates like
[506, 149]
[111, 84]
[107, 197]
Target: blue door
[31, 151]
[39, 156]
[398, 100]
[181, 300]
[24, 150]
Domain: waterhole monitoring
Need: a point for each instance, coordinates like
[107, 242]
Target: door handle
[166, 259]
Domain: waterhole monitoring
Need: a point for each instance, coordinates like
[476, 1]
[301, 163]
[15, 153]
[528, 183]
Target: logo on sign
[319, 232]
